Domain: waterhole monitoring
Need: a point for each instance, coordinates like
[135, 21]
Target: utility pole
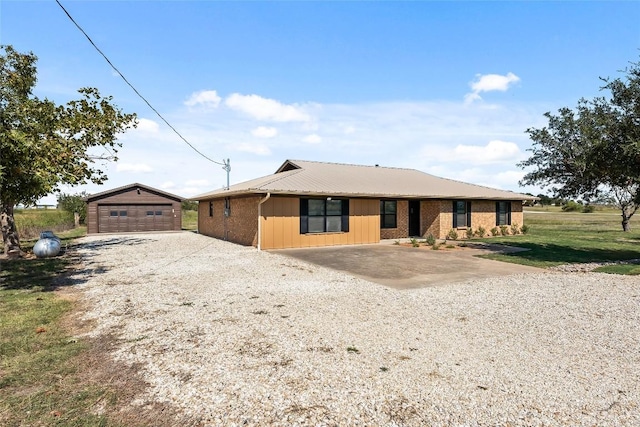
[227, 167]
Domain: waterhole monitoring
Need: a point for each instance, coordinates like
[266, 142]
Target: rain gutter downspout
[260, 220]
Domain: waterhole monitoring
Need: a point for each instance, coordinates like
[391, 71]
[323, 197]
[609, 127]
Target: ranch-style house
[307, 203]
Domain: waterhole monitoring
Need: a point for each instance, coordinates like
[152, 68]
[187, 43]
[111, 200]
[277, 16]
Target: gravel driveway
[232, 336]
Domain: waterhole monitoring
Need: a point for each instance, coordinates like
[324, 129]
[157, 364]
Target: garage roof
[129, 187]
[302, 177]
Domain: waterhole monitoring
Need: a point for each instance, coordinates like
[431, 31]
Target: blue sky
[448, 88]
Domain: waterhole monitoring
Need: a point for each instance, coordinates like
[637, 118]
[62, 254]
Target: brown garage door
[129, 218]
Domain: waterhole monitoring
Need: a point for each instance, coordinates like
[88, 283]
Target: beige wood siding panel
[281, 225]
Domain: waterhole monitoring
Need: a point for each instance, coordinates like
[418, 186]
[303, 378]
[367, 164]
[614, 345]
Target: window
[388, 214]
[210, 208]
[149, 213]
[113, 213]
[324, 215]
[461, 213]
[123, 213]
[158, 213]
[503, 213]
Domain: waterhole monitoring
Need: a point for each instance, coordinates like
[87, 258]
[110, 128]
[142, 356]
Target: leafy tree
[43, 144]
[75, 204]
[189, 205]
[593, 152]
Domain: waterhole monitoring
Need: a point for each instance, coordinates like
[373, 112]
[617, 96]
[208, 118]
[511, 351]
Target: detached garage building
[132, 208]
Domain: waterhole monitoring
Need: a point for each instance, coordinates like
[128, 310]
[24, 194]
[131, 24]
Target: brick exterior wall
[436, 218]
[430, 218]
[402, 223]
[483, 214]
[241, 226]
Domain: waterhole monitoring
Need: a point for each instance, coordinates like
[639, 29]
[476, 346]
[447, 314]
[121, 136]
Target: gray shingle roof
[301, 177]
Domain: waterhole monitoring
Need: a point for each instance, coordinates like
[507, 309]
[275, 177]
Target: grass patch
[48, 377]
[37, 355]
[556, 238]
[189, 220]
[30, 222]
[628, 269]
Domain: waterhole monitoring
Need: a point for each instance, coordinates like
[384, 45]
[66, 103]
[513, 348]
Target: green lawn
[557, 237]
[189, 220]
[38, 357]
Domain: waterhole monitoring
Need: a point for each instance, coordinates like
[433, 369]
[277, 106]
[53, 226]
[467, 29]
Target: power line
[224, 164]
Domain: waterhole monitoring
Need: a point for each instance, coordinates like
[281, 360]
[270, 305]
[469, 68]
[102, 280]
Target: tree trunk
[10, 236]
[625, 224]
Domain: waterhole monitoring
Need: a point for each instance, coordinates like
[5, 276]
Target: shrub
[469, 232]
[515, 228]
[588, 209]
[414, 243]
[189, 205]
[435, 246]
[74, 203]
[452, 235]
[524, 229]
[504, 230]
[495, 231]
[430, 240]
[481, 232]
[30, 222]
[572, 206]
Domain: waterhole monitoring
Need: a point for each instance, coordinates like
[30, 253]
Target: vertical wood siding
[280, 225]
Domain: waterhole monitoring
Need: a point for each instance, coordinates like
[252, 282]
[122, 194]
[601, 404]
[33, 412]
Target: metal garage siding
[146, 208]
[132, 218]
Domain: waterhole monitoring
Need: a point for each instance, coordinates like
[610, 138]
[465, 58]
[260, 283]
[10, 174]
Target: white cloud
[133, 167]
[312, 139]
[206, 98]
[264, 132]
[259, 149]
[480, 144]
[147, 125]
[494, 151]
[192, 191]
[489, 83]
[197, 182]
[266, 109]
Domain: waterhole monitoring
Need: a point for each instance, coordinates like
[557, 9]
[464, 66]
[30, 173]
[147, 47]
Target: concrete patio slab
[403, 267]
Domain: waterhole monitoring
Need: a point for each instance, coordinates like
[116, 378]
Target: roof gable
[129, 187]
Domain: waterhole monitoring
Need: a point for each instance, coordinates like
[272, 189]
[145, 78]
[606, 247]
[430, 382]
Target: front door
[414, 218]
